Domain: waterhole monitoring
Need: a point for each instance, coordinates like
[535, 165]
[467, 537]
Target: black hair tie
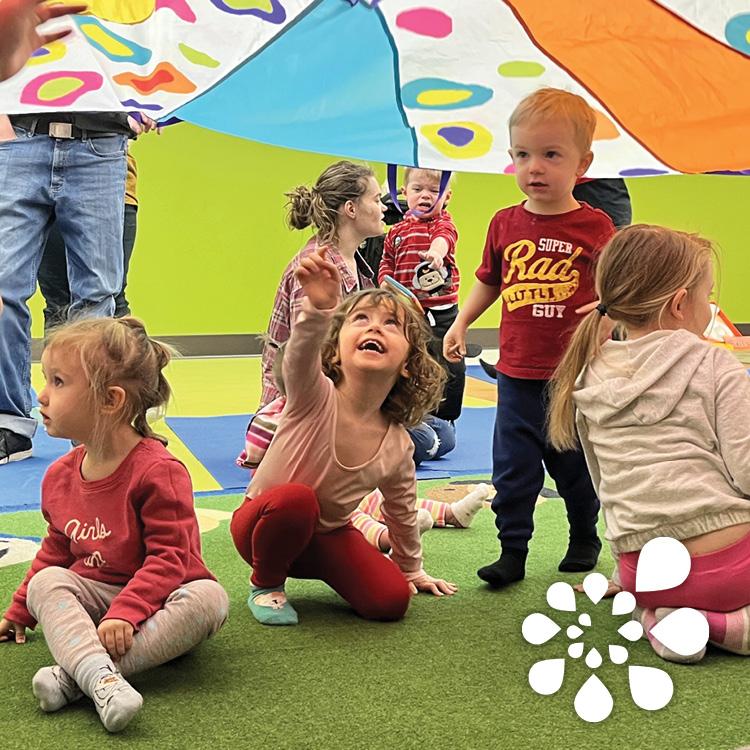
[601, 309]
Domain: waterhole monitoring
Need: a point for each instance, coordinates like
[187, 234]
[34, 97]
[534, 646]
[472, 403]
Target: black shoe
[13, 447]
[489, 369]
[473, 350]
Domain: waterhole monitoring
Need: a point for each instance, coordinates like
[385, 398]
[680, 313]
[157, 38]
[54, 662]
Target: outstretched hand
[320, 280]
[19, 36]
[436, 586]
[434, 257]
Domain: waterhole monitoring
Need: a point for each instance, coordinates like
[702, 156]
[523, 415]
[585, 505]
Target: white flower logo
[663, 564]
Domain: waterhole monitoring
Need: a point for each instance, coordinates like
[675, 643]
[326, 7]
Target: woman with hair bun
[344, 207]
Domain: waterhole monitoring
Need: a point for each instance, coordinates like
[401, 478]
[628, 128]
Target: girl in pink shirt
[355, 376]
[118, 585]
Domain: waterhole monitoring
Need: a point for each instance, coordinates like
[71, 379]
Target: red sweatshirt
[135, 528]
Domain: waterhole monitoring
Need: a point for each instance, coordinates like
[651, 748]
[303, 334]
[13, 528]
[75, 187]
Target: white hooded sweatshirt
[664, 421]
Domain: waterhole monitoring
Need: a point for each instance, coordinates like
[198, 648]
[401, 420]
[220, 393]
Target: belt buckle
[61, 130]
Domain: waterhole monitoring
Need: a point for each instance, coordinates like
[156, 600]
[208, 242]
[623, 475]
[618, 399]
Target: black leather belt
[65, 130]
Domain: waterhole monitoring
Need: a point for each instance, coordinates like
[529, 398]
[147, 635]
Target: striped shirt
[401, 255]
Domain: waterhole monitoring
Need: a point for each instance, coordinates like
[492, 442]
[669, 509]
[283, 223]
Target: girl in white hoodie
[664, 421]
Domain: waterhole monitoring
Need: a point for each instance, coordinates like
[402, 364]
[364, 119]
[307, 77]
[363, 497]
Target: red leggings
[275, 533]
[718, 581]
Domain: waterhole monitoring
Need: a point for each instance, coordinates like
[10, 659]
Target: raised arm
[321, 287]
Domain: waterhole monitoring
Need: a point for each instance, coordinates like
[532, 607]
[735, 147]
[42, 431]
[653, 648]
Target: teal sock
[270, 607]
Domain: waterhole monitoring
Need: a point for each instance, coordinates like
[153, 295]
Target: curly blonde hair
[413, 396]
[119, 352]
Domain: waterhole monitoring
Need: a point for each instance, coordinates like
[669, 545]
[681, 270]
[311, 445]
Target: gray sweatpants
[69, 608]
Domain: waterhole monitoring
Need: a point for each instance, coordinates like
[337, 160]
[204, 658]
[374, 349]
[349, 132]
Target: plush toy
[429, 279]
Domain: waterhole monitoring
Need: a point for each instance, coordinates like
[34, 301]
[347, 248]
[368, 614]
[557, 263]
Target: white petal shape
[585, 620]
[650, 687]
[593, 659]
[538, 628]
[593, 702]
[632, 630]
[623, 603]
[595, 585]
[618, 654]
[561, 596]
[545, 677]
[574, 632]
[575, 650]
[663, 564]
[685, 631]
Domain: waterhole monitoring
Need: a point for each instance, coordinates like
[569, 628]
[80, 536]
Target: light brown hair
[119, 352]
[412, 396]
[549, 104]
[319, 206]
[637, 275]
[436, 174]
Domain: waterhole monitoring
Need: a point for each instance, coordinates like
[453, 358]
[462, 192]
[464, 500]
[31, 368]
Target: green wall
[212, 242]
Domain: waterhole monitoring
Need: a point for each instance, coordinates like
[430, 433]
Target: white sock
[54, 688]
[116, 701]
[467, 507]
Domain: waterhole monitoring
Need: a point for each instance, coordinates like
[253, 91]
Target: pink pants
[718, 581]
[275, 533]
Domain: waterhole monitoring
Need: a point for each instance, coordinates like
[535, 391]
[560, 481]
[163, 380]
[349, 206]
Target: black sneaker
[13, 447]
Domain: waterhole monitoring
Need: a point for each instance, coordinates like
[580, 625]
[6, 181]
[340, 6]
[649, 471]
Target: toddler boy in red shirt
[539, 258]
[419, 252]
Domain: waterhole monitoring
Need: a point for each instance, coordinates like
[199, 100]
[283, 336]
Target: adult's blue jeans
[80, 184]
[432, 438]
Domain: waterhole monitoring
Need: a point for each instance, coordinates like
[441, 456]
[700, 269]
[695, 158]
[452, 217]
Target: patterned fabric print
[462, 73]
[162, 54]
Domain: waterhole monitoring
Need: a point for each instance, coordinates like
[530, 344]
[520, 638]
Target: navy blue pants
[518, 450]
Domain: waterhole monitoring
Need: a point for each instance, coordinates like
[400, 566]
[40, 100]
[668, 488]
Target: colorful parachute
[428, 82]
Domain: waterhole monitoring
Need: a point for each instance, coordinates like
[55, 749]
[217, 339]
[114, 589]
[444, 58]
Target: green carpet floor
[453, 674]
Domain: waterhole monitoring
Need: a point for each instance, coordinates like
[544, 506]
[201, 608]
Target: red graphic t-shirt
[545, 268]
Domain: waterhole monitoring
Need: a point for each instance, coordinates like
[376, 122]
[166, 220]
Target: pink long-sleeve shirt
[304, 449]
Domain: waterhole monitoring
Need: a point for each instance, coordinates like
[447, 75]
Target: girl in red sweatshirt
[118, 585]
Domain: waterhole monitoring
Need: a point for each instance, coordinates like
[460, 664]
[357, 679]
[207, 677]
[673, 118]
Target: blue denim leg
[26, 209]
[88, 186]
[83, 184]
[432, 438]
[446, 434]
[425, 442]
